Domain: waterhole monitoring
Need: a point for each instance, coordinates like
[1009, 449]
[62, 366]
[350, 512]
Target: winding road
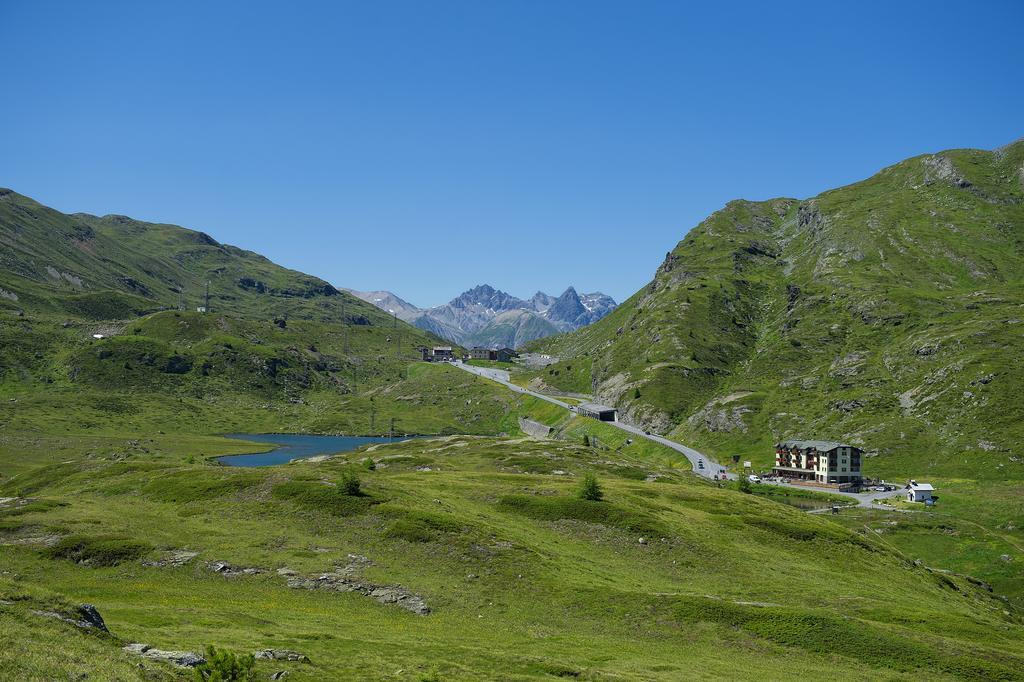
[709, 470]
[865, 499]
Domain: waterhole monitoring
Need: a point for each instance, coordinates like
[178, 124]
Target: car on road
[880, 489]
[754, 478]
[700, 464]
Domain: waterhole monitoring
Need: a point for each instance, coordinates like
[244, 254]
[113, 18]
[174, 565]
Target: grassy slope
[886, 313]
[114, 267]
[523, 581]
[812, 319]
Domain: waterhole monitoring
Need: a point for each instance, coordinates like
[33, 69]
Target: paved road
[864, 499]
[709, 469]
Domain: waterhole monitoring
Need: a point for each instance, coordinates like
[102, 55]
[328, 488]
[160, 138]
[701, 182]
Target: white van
[754, 478]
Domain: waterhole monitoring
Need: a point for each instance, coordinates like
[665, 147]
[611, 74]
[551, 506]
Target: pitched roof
[820, 445]
[920, 486]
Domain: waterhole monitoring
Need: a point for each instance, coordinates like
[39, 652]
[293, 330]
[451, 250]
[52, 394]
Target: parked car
[754, 478]
[700, 464]
[879, 488]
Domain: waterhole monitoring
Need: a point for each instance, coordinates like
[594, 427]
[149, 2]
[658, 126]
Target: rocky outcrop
[86, 617]
[280, 655]
[714, 418]
[344, 579]
[182, 659]
[172, 559]
[940, 168]
[226, 569]
[339, 581]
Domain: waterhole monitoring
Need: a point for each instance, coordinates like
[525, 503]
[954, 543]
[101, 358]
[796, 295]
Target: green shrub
[590, 489]
[350, 484]
[586, 441]
[369, 464]
[224, 666]
[97, 551]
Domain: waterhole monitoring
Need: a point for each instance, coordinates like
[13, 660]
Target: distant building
[603, 413]
[822, 461]
[438, 354]
[500, 355]
[505, 355]
[919, 492]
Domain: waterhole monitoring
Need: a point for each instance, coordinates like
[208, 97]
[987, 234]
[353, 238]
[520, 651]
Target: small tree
[224, 666]
[350, 484]
[590, 489]
[369, 464]
[636, 394]
[586, 440]
[743, 484]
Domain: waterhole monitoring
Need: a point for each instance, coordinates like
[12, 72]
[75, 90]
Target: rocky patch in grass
[86, 617]
[182, 659]
[343, 579]
[281, 655]
[226, 569]
[174, 558]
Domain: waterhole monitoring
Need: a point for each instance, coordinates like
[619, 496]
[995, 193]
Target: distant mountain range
[485, 316]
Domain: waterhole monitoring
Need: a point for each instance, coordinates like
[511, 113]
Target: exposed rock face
[941, 168]
[91, 616]
[720, 419]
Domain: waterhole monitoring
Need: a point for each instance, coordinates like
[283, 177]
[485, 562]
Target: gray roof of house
[595, 407]
[819, 445]
[921, 486]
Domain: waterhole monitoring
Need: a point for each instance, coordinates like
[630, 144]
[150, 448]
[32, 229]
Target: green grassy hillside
[115, 267]
[888, 313]
[522, 579]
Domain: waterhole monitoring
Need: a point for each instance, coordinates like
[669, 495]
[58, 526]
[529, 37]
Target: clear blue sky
[425, 147]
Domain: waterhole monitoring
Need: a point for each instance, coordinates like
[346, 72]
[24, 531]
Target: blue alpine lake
[296, 446]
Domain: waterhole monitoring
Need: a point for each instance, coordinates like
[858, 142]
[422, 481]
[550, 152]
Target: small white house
[919, 492]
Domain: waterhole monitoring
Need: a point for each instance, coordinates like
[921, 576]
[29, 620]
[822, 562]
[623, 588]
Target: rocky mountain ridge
[490, 317]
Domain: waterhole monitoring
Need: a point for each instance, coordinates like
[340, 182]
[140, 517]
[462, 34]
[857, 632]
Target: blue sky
[425, 147]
